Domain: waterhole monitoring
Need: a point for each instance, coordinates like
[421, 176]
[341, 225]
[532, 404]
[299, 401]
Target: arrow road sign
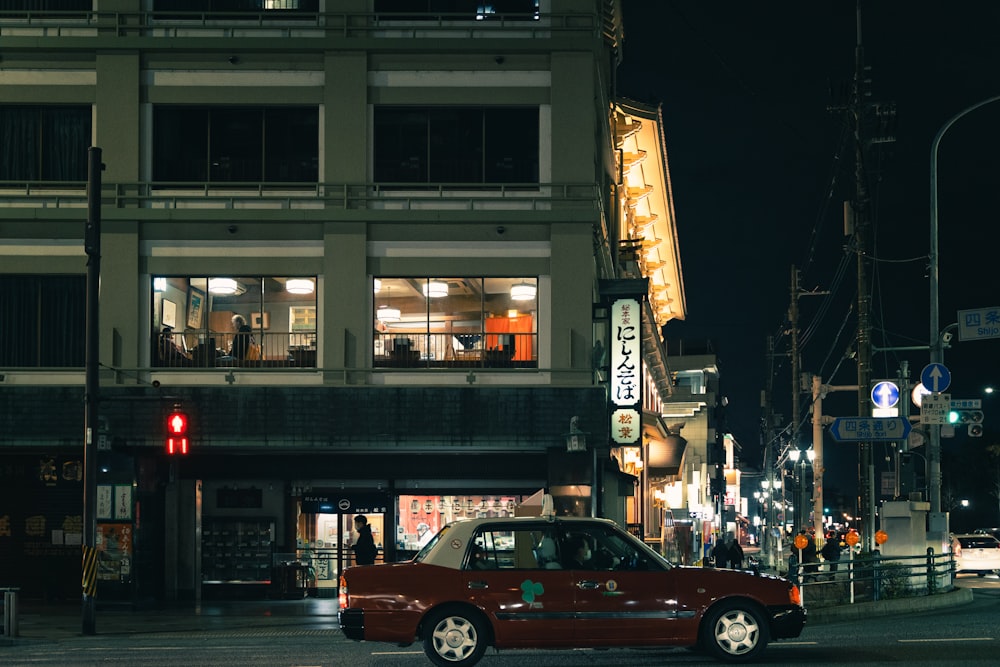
[935, 377]
[885, 394]
[869, 429]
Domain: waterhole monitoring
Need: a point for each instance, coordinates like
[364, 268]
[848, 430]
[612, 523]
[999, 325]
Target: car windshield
[422, 554]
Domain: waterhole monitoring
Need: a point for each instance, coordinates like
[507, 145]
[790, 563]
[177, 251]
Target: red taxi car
[546, 582]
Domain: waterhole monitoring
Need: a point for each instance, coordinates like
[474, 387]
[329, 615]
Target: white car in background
[977, 553]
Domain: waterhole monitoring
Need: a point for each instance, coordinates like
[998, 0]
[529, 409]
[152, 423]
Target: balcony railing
[450, 350]
[296, 24]
[299, 196]
[271, 349]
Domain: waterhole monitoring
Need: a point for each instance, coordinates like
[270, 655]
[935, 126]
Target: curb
[861, 610]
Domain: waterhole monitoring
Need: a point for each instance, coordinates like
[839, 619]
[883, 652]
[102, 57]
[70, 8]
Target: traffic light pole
[92, 246]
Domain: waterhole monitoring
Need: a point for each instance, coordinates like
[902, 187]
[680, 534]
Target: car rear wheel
[734, 631]
[455, 638]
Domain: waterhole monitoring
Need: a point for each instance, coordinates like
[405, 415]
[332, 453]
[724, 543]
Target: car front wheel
[454, 638]
[734, 631]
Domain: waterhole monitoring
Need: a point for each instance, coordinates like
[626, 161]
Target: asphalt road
[967, 635]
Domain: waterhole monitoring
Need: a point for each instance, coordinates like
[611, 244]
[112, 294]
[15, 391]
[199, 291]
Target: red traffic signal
[177, 439]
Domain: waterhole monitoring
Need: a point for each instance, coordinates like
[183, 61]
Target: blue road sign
[870, 429]
[935, 377]
[885, 394]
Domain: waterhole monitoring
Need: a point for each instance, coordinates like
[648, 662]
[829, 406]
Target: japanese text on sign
[626, 352]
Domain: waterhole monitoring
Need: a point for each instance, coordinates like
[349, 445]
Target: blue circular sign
[885, 394]
[935, 377]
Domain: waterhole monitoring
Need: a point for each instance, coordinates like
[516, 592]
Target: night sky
[761, 167]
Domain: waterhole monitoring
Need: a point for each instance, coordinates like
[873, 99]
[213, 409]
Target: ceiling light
[225, 286]
[435, 289]
[378, 285]
[523, 292]
[388, 314]
[299, 286]
[159, 284]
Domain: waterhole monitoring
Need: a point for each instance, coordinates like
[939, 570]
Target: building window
[456, 145]
[201, 6]
[456, 322]
[44, 321]
[222, 321]
[415, 10]
[236, 144]
[46, 5]
[44, 143]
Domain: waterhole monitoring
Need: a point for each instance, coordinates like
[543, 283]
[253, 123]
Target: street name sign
[934, 408]
[979, 324]
[935, 377]
[965, 404]
[870, 429]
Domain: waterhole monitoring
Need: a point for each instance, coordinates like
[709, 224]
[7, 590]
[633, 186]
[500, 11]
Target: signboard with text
[869, 429]
[626, 371]
[979, 324]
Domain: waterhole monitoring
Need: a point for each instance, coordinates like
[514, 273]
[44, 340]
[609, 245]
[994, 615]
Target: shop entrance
[324, 535]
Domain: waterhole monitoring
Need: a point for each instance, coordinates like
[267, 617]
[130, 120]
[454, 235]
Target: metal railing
[297, 24]
[267, 349]
[455, 350]
[872, 578]
[298, 196]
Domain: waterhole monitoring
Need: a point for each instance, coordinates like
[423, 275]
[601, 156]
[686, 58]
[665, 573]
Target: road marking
[946, 639]
[397, 652]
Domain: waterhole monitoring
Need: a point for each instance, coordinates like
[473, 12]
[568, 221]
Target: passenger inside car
[577, 553]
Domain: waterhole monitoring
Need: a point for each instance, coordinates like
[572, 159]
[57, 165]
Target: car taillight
[794, 595]
[342, 596]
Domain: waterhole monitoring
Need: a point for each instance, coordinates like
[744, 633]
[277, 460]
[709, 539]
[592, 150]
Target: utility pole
[800, 384]
[862, 114]
[92, 247]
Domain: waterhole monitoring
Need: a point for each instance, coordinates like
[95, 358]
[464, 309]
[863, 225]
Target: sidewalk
[54, 622]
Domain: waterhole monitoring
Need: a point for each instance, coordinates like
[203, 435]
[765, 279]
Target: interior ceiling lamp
[378, 285]
[299, 286]
[387, 313]
[159, 284]
[225, 286]
[435, 289]
[523, 292]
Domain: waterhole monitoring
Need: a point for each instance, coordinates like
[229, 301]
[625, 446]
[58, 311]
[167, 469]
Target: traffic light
[972, 418]
[177, 437]
[965, 417]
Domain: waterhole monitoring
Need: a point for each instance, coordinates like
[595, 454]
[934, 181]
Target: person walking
[720, 554]
[364, 547]
[831, 551]
[735, 554]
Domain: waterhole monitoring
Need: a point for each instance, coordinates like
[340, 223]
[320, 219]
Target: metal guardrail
[10, 621]
[872, 577]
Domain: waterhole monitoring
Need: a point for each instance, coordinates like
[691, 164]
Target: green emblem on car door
[530, 589]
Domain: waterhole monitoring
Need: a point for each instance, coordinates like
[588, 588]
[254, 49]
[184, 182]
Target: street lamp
[936, 342]
[796, 457]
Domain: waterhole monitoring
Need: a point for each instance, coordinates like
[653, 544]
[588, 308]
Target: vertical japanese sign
[626, 371]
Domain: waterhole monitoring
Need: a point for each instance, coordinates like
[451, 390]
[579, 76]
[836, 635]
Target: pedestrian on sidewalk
[720, 554]
[735, 554]
[364, 547]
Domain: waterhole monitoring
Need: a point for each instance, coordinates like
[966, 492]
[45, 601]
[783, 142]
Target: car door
[625, 597]
[528, 601]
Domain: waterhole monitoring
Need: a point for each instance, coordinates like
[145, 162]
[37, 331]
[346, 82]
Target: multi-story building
[366, 248]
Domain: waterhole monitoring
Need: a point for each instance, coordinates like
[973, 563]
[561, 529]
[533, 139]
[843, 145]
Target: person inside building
[242, 340]
[170, 353]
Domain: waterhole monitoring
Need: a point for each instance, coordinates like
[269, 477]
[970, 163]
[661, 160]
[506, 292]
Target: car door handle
[478, 585]
[588, 585]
